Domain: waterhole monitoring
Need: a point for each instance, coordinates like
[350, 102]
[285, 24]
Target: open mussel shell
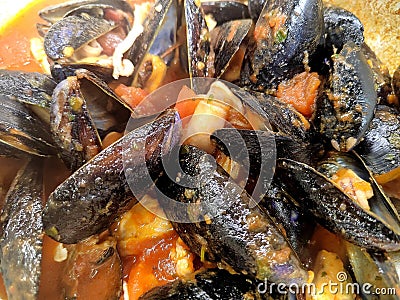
[226, 40]
[144, 41]
[22, 233]
[56, 12]
[60, 71]
[166, 38]
[345, 110]
[218, 10]
[69, 34]
[71, 125]
[219, 221]
[380, 204]
[380, 147]
[108, 111]
[377, 229]
[277, 53]
[259, 146]
[256, 152]
[31, 88]
[197, 41]
[297, 223]
[99, 10]
[20, 128]
[97, 193]
[86, 36]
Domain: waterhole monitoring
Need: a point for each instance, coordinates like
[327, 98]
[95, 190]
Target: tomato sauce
[15, 38]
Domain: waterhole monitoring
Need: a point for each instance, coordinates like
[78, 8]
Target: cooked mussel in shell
[346, 108]
[226, 40]
[373, 225]
[375, 268]
[21, 239]
[56, 12]
[380, 146]
[342, 26]
[84, 28]
[285, 33]
[22, 130]
[97, 193]
[31, 88]
[228, 226]
[217, 9]
[83, 110]
[72, 127]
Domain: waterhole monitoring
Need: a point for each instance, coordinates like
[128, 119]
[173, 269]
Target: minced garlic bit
[38, 53]
[60, 253]
[124, 67]
[356, 188]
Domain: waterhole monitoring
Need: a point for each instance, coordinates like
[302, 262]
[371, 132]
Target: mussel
[284, 118]
[96, 35]
[198, 40]
[346, 108]
[22, 233]
[381, 76]
[226, 40]
[31, 88]
[213, 284]
[375, 225]
[83, 110]
[220, 222]
[142, 44]
[80, 33]
[285, 34]
[54, 13]
[375, 270]
[380, 146]
[217, 10]
[23, 130]
[260, 147]
[97, 193]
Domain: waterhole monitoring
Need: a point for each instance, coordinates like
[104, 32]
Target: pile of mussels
[355, 125]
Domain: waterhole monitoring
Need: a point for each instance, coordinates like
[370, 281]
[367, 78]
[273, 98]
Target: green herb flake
[71, 117]
[280, 36]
